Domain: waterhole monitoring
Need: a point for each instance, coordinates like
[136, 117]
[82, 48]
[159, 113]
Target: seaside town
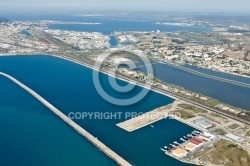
[230, 55]
[218, 50]
[218, 125]
[81, 40]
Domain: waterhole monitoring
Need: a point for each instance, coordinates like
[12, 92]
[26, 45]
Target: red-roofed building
[197, 141]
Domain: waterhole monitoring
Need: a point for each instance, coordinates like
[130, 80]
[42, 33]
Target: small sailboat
[172, 145]
[183, 140]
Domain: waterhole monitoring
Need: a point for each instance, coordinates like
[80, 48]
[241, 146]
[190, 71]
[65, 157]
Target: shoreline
[172, 96]
[198, 73]
[104, 150]
[129, 81]
[93, 68]
[233, 74]
[102, 147]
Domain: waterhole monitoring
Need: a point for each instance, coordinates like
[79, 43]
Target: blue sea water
[70, 88]
[113, 42]
[109, 26]
[26, 33]
[228, 93]
[32, 135]
[109, 23]
[220, 74]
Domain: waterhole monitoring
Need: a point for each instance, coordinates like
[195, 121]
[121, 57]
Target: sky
[142, 5]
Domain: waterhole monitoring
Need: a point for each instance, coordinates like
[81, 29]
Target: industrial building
[207, 136]
[189, 146]
[178, 152]
[203, 123]
[233, 137]
[196, 141]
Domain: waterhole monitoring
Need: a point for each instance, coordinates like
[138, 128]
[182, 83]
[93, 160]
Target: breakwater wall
[118, 159]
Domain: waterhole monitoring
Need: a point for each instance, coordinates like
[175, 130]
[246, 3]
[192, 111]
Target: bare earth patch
[227, 154]
[234, 54]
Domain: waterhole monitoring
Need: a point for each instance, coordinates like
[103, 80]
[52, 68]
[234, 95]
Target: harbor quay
[149, 117]
[189, 145]
[110, 153]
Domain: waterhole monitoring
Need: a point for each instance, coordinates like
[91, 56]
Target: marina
[79, 102]
[187, 117]
[193, 143]
[175, 144]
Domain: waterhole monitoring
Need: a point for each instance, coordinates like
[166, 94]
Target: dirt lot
[227, 154]
[234, 54]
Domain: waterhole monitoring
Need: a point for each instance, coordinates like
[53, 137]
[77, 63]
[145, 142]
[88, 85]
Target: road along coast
[155, 89]
[152, 88]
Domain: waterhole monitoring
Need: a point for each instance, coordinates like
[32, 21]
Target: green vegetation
[192, 108]
[232, 146]
[233, 126]
[125, 54]
[220, 132]
[227, 154]
[247, 54]
[185, 114]
[3, 51]
[216, 115]
[245, 115]
[248, 133]
[247, 74]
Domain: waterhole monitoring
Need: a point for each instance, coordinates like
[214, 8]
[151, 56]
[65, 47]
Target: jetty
[149, 117]
[118, 159]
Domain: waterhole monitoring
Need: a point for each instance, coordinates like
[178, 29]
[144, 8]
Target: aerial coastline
[132, 81]
[215, 124]
[70, 122]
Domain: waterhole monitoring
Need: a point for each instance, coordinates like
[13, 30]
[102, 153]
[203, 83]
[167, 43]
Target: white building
[233, 137]
[203, 123]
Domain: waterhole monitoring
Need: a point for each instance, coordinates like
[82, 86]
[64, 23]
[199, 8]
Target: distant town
[225, 49]
[220, 50]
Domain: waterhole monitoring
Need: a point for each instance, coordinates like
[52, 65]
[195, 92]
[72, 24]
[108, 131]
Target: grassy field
[220, 132]
[233, 126]
[185, 114]
[210, 118]
[227, 154]
[192, 108]
[216, 115]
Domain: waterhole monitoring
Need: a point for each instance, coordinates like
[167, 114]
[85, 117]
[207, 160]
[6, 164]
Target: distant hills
[4, 20]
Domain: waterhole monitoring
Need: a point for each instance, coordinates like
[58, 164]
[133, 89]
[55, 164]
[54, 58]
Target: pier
[118, 159]
[185, 150]
[149, 117]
